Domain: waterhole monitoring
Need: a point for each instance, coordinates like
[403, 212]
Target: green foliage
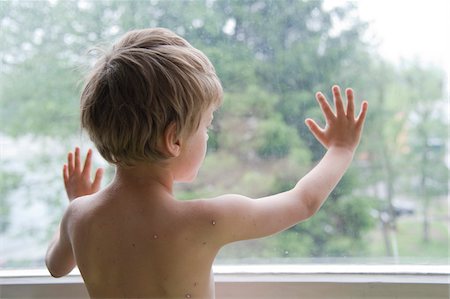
[339, 229]
[252, 101]
[275, 139]
[36, 99]
[352, 217]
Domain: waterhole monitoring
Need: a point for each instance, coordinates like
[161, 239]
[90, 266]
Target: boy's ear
[171, 141]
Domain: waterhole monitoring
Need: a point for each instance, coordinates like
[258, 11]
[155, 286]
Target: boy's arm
[239, 217]
[59, 258]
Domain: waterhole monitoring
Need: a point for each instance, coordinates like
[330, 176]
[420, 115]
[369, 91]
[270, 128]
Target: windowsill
[268, 282]
[385, 274]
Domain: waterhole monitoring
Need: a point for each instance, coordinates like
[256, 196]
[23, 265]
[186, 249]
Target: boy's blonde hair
[150, 79]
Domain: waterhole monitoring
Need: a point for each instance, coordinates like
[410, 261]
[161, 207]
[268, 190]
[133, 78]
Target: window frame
[268, 281]
[338, 273]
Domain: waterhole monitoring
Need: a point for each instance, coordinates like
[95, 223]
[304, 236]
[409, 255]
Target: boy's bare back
[128, 244]
[147, 106]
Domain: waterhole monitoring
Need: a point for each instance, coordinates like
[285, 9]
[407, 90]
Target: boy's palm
[342, 129]
[77, 179]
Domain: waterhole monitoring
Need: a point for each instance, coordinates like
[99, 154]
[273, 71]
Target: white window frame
[268, 281]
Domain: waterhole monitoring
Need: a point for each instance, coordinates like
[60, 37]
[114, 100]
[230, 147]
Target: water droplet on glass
[213, 222]
[155, 236]
[187, 296]
[286, 252]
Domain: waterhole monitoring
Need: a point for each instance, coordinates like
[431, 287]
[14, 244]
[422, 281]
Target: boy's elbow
[56, 273]
[51, 269]
[312, 206]
[310, 200]
[308, 213]
[54, 270]
[312, 211]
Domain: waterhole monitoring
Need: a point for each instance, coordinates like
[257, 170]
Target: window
[272, 56]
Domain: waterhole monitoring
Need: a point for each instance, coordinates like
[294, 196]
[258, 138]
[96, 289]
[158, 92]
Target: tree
[427, 135]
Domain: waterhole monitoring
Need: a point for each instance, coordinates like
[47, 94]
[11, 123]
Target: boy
[147, 106]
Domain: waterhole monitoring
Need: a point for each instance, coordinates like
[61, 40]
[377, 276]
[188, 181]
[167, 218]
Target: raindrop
[187, 296]
[213, 222]
[155, 236]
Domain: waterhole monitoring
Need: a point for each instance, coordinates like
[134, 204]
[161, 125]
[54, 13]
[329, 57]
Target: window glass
[271, 56]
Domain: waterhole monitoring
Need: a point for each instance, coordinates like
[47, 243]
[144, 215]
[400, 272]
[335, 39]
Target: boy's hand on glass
[77, 179]
[342, 129]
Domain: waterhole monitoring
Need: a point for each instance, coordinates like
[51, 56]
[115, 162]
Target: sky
[408, 29]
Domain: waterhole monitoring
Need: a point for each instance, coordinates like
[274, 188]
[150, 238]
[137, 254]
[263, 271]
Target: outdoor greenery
[272, 56]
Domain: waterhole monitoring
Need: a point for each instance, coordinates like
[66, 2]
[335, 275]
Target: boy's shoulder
[103, 205]
[73, 211]
[83, 208]
[196, 215]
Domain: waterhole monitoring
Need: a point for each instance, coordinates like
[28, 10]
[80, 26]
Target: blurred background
[272, 57]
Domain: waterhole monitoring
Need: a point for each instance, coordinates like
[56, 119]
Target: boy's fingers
[362, 115]
[97, 179]
[325, 107]
[315, 129]
[88, 162]
[338, 103]
[77, 159]
[70, 163]
[350, 104]
[65, 174]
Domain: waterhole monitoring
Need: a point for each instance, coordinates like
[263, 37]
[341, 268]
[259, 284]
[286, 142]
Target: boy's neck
[145, 176]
